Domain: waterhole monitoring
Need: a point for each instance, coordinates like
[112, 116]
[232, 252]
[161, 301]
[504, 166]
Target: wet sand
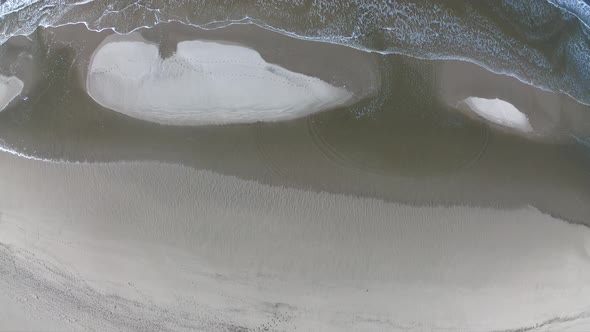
[250, 255]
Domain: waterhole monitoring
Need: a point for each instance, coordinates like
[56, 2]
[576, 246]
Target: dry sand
[499, 112]
[128, 246]
[10, 87]
[202, 82]
[341, 66]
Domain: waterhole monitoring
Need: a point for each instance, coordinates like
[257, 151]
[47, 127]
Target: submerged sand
[129, 246]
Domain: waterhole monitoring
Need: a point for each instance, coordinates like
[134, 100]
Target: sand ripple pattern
[381, 149]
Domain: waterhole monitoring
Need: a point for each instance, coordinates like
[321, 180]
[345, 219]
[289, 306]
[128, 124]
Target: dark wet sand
[405, 142]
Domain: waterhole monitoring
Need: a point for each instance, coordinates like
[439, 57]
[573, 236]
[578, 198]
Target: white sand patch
[10, 87]
[202, 83]
[499, 112]
[189, 247]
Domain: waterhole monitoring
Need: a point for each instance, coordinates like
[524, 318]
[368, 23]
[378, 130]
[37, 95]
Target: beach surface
[125, 246]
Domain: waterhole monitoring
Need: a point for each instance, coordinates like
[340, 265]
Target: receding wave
[505, 37]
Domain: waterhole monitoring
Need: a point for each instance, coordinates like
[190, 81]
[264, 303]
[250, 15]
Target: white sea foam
[203, 83]
[10, 87]
[499, 112]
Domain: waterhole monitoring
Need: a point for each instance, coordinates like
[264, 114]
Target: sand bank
[10, 87]
[554, 117]
[201, 83]
[250, 255]
[499, 112]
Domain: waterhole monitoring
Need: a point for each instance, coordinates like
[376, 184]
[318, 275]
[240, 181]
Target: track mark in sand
[267, 150]
[281, 313]
[376, 146]
[550, 322]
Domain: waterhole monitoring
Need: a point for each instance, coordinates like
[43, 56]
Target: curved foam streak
[499, 112]
[203, 83]
[10, 87]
